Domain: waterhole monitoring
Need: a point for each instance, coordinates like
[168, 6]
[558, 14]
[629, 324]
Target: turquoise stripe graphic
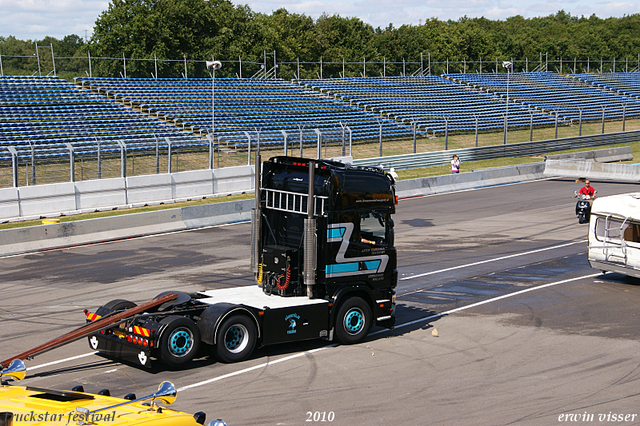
[335, 232]
[341, 268]
[372, 264]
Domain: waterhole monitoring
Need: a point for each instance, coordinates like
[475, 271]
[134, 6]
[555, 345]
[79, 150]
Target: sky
[35, 19]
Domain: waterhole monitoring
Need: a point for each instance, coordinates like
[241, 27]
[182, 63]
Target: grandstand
[50, 112]
[549, 92]
[434, 103]
[623, 83]
[245, 105]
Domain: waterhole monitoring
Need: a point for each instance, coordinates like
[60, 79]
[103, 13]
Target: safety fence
[274, 66]
[525, 149]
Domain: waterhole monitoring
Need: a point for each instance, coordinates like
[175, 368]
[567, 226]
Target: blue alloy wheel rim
[181, 342]
[354, 321]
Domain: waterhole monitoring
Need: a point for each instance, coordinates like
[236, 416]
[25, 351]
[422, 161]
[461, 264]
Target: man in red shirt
[587, 189]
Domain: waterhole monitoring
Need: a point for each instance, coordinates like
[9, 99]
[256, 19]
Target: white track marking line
[60, 361]
[429, 318]
[453, 268]
[484, 302]
[255, 367]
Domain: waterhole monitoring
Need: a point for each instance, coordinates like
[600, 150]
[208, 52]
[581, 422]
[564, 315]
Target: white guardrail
[33, 202]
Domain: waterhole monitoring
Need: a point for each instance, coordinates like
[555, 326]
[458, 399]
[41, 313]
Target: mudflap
[121, 350]
[387, 323]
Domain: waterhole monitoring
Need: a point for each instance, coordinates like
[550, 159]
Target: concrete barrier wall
[67, 234]
[46, 199]
[9, 205]
[592, 170]
[32, 202]
[470, 180]
[607, 155]
[96, 194]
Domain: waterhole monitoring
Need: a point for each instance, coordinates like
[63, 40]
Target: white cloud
[35, 19]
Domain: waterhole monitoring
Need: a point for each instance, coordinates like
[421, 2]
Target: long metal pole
[38, 58]
[53, 59]
[506, 116]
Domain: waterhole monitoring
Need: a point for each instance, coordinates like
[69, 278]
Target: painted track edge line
[429, 318]
[481, 262]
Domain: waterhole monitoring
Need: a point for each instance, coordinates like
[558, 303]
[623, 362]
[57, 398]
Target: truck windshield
[373, 228]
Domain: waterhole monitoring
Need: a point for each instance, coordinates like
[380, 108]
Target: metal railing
[524, 149]
[292, 202]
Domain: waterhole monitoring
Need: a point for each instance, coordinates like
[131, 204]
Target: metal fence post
[350, 140]
[603, 108]
[446, 133]
[531, 127]
[301, 139]
[285, 135]
[157, 154]
[414, 124]
[319, 154]
[211, 142]
[624, 111]
[248, 148]
[257, 141]
[556, 124]
[476, 116]
[72, 162]
[123, 159]
[380, 137]
[343, 139]
[168, 154]
[14, 165]
[33, 163]
[99, 159]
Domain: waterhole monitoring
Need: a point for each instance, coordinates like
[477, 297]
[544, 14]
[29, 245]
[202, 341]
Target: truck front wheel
[180, 340]
[353, 321]
[236, 338]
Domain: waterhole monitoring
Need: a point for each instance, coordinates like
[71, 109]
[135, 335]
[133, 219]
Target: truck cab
[340, 245]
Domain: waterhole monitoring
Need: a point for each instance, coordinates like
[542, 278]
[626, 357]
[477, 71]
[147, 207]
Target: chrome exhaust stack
[310, 237]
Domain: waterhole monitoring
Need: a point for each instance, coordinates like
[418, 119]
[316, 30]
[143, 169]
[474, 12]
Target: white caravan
[614, 234]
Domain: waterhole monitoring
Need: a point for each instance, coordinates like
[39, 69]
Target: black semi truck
[323, 257]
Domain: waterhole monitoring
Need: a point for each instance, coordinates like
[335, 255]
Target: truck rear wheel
[180, 340]
[353, 321]
[236, 338]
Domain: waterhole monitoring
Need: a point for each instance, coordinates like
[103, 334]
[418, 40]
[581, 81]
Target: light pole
[214, 65]
[507, 65]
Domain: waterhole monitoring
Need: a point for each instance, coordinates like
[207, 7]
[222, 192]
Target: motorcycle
[583, 206]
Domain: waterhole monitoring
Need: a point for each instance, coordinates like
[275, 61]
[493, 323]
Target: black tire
[236, 338]
[180, 340]
[353, 321]
[119, 305]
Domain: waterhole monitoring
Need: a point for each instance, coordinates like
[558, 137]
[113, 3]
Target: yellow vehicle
[38, 407]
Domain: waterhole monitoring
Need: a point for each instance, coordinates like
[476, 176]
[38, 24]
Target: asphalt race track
[500, 321]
